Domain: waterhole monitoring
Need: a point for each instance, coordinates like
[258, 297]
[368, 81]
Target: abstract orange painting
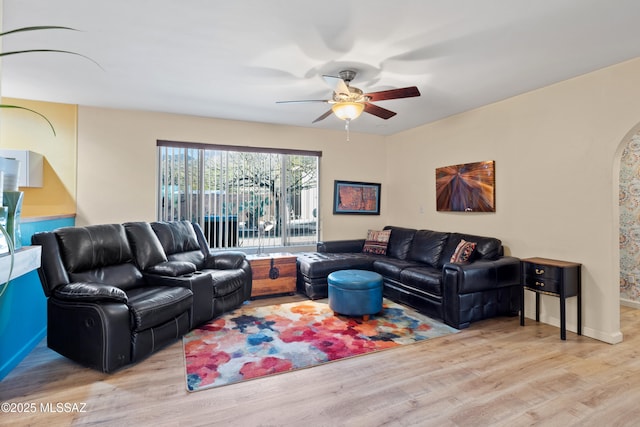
[362, 198]
[468, 187]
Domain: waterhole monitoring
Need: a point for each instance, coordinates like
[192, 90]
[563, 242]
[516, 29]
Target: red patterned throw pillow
[463, 252]
[376, 242]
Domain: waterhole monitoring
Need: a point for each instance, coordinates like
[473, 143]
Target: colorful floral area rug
[252, 342]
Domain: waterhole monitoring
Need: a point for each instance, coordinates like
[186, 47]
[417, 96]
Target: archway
[629, 218]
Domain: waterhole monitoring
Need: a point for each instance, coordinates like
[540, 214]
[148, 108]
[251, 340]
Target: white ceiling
[235, 59]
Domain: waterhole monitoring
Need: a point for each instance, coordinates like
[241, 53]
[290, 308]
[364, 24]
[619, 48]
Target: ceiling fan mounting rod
[347, 75]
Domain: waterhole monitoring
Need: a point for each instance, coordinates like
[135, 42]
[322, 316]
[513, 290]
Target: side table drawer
[541, 284]
[541, 271]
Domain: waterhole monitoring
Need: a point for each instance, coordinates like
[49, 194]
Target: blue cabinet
[23, 306]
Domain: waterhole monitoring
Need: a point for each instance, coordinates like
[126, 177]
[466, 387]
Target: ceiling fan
[349, 101]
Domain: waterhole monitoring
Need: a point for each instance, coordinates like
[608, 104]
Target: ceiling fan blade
[383, 113]
[405, 92]
[322, 117]
[337, 84]
[303, 101]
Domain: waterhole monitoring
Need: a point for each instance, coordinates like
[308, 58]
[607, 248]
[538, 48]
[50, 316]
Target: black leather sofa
[417, 272]
[118, 292]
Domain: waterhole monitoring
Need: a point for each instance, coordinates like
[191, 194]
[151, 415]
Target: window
[241, 196]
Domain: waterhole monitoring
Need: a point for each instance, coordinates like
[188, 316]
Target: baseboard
[22, 353]
[629, 303]
[615, 338]
[609, 338]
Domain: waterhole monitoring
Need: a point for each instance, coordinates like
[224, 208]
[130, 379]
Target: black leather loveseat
[118, 292]
[417, 271]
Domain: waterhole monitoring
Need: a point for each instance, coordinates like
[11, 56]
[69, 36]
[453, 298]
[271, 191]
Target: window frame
[283, 241]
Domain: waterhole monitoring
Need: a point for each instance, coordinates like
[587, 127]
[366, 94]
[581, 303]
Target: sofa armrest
[227, 260]
[469, 289]
[172, 268]
[481, 275]
[338, 246]
[95, 334]
[90, 292]
[51, 272]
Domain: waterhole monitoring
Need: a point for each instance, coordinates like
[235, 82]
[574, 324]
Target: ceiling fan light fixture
[348, 110]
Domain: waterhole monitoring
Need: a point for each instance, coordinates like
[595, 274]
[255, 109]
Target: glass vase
[13, 201]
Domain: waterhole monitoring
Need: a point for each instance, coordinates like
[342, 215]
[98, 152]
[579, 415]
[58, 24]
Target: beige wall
[556, 151]
[117, 162]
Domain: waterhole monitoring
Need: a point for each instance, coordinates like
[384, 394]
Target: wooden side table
[273, 274]
[552, 277]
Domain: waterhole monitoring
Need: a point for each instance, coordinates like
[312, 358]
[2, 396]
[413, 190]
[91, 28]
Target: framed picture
[358, 198]
[469, 187]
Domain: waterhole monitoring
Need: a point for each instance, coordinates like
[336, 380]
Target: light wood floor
[493, 373]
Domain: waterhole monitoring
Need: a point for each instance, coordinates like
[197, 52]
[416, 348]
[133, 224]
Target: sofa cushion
[320, 264]
[376, 242]
[399, 241]
[94, 246]
[154, 305]
[124, 276]
[225, 282]
[227, 260]
[424, 279]
[176, 236]
[391, 267]
[333, 246]
[427, 247]
[145, 245]
[486, 247]
[179, 241]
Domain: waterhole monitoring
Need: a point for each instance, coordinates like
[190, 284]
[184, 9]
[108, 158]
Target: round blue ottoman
[355, 292]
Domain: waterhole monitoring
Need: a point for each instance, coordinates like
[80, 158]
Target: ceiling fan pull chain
[346, 127]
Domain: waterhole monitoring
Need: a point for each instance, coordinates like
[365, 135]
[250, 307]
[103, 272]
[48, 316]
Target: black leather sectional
[118, 292]
[417, 271]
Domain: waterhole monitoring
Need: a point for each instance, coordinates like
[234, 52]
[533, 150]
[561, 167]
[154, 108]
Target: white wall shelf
[31, 166]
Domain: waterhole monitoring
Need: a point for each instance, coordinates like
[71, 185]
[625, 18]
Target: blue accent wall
[23, 306]
[23, 320]
[29, 228]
